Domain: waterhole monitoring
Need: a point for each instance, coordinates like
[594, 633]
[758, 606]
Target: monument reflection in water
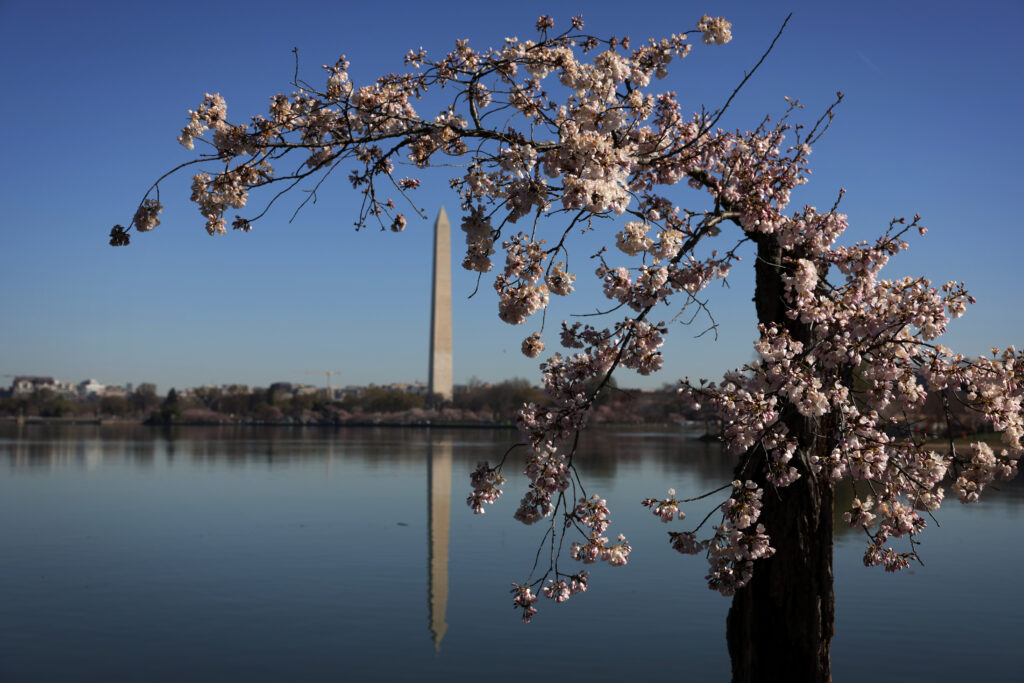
[439, 496]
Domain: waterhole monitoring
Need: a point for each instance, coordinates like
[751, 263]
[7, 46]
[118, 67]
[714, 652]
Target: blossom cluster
[479, 241]
[549, 476]
[715, 29]
[562, 589]
[486, 481]
[520, 292]
[523, 598]
[665, 509]
[147, 217]
[866, 357]
[737, 542]
[597, 548]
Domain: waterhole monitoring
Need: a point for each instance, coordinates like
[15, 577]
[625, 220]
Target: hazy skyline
[96, 94]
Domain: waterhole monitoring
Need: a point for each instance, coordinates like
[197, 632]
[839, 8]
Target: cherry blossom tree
[569, 133]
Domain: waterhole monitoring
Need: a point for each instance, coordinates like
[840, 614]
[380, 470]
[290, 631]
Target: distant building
[89, 388]
[340, 393]
[408, 387]
[28, 385]
[282, 390]
[66, 389]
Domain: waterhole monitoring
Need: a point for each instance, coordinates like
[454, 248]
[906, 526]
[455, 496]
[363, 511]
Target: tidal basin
[247, 553]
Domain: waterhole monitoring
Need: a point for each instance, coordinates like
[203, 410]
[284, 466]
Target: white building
[89, 388]
[26, 386]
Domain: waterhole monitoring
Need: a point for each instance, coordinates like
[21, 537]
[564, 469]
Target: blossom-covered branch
[567, 133]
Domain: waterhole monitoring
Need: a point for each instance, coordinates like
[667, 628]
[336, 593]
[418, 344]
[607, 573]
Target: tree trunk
[780, 625]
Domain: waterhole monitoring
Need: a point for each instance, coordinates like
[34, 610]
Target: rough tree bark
[780, 625]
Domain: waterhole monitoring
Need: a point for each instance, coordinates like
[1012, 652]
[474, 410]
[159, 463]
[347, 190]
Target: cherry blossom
[567, 134]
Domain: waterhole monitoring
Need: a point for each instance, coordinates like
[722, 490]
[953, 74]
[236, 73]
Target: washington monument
[441, 311]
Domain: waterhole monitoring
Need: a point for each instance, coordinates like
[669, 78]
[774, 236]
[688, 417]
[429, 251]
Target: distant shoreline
[35, 420]
[692, 429]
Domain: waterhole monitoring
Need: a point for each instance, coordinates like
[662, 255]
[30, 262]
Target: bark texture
[780, 625]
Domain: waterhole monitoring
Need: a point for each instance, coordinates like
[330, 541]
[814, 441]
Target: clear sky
[95, 93]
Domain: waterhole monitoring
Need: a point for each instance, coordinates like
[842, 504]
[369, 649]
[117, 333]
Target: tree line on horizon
[475, 402]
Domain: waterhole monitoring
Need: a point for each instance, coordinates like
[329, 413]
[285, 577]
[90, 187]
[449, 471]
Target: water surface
[316, 554]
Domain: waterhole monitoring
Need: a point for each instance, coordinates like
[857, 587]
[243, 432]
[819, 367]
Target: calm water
[240, 554]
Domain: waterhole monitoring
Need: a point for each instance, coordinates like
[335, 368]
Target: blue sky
[96, 93]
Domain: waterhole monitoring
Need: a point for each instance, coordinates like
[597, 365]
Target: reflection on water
[229, 553]
[439, 492]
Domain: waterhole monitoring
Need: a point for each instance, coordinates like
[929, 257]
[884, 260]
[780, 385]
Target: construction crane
[323, 372]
